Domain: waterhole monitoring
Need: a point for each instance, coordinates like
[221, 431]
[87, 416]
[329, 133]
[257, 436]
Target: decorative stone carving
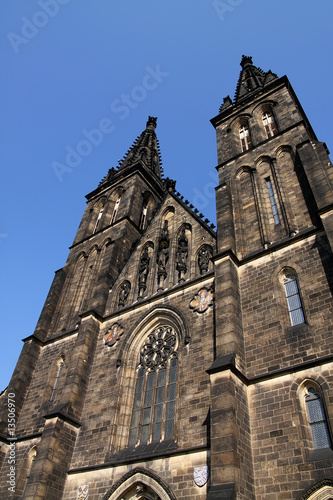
[203, 259]
[125, 288]
[143, 272]
[163, 256]
[140, 488]
[82, 492]
[113, 334]
[202, 300]
[181, 256]
[159, 346]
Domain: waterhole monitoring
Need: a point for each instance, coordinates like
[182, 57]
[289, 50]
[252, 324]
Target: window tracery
[155, 393]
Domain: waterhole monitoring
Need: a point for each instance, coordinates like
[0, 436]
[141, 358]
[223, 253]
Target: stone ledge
[222, 491]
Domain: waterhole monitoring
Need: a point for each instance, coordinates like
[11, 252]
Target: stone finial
[152, 122]
[245, 61]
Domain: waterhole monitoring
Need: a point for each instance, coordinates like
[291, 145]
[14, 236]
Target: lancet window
[295, 307]
[273, 201]
[244, 135]
[115, 211]
[269, 124]
[98, 220]
[317, 417]
[56, 382]
[144, 214]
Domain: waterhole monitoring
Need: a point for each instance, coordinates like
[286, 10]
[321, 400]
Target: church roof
[144, 149]
[251, 78]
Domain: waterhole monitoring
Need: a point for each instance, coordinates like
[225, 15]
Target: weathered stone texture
[143, 259]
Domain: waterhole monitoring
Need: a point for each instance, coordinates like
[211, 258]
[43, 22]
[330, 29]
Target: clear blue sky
[70, 65]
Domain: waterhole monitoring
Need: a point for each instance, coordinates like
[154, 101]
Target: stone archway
[323, 490]
[140, 484]
[325, 493]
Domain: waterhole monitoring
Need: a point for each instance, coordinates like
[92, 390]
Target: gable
[174, 248]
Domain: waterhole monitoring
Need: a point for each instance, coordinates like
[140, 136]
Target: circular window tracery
[160, 345]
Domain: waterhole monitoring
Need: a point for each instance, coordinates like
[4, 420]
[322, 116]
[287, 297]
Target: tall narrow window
[269, 124]
[98, 219]
[272, 200]
[56, 382]
[244, 136]
[293, 299]
[31, 459]
[317, 419]
[155, 393]
[115, 211]
[144, 214]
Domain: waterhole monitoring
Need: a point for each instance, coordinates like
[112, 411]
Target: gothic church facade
[171, 361]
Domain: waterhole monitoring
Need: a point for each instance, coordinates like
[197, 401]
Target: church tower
[273, 304]
[171, 361]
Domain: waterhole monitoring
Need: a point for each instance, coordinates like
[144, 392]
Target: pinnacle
[145, 149]
[251, 78]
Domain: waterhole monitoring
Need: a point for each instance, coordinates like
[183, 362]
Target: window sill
[301, 327]
[142, 451]
[320, 454]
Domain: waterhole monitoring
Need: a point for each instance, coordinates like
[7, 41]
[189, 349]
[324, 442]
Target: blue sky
[72, 66]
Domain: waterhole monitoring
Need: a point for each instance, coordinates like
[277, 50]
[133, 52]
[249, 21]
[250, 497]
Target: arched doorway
[323, 490]
[325, 493]
[140, 484]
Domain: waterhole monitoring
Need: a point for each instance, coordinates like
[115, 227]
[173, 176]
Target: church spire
[251, 78]
[145, 149]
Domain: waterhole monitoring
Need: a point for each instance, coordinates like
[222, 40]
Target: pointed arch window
[244, 135]
[115, 210]
[31, 460]
[144, 214]
[295, 307]
[56, 382]
[155, 393]
[317, 418]
[273, 201]
[269, 124]
[100, 213]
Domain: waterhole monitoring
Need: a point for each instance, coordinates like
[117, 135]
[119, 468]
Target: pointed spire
[144, 149]
[251, 78]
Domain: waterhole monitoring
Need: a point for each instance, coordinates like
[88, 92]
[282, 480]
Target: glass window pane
[294, 302]
[144, 434]
[169, 429]
[157, 431]
[173, 362]
[135, 418]
[315, 409]
[171, 392]
[297, 317]
[320, 435]
[139, 384]
[159, 395]
[173, 375]
[291, 287]
[161, 378]
[150, 380]
[132, 438]
[146, 416]
[158, 413]
[137, 400]
[170, 410]
[148, 398]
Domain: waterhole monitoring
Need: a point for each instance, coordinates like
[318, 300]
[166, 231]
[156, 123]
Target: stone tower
[173, 362]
